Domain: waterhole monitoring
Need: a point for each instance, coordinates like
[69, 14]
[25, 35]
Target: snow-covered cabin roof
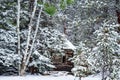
[67, 44]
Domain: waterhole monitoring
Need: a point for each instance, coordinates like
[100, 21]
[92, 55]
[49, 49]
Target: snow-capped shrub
[41, 62]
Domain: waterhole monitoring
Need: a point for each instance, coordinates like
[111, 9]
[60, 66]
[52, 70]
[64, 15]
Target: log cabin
[62, 62]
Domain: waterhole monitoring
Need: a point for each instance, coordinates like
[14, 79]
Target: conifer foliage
[106, 52]
[31, 32]
[81, 61]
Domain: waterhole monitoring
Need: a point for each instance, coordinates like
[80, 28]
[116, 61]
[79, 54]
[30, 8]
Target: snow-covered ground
[58, 76]
[30, 77]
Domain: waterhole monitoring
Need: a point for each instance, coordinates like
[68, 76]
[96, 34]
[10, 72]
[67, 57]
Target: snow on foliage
[105, 53]
[8, 54]
[67, 44]
[53, 39]
[40, 61]
[81, 61]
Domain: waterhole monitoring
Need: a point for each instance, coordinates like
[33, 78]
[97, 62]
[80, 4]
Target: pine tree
[81, 61]
[41, 62]
[8, 38]
[105, 53]
[8, 56]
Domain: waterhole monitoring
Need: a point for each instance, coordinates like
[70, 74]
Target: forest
[39, 37]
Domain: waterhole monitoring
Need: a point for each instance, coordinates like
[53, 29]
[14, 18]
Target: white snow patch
[66, 43]
[39, 77]
[97, 77]
[36, 78]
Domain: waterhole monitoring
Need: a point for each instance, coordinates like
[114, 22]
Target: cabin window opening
[63, 60]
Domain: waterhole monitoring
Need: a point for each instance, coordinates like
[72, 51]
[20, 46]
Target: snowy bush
[41, 62]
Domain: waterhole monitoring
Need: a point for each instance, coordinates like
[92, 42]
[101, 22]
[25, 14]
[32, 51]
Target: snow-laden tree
[7, 17]
[105, 54]
[8, 37]
[81, 61]
[84, 17]
[8, 53]
[47, 41]
[41, 62]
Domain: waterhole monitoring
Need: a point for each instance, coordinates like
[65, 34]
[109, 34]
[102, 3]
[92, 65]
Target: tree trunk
[79, 78]
[104, 58]
[18, 31]
[103, 72]
[64, 25]
[117, 11]
[23, 66]
[36, 30]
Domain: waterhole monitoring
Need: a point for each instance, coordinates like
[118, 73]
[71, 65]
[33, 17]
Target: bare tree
[23, 66]
[18, 30]
[27, 53]
[36, 30]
